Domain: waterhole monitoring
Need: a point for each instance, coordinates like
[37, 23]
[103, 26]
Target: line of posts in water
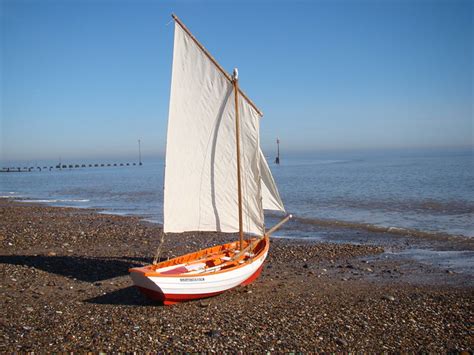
[64, 166]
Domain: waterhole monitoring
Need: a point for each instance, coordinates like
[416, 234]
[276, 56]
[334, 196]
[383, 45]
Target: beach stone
[288, 311]
[388, 298]
[214, 333]
[340, 341]
[29, 309]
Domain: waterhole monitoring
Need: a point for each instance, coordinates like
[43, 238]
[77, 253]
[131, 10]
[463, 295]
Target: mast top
[235, 74]
[211, 58]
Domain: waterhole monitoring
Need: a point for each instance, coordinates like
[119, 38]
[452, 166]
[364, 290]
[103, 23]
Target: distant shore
[66, 287]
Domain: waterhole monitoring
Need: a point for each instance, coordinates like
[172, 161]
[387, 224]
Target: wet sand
[65, 287]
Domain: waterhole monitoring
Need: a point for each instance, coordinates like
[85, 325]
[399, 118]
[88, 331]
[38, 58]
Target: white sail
[270, 196]
[201, 172]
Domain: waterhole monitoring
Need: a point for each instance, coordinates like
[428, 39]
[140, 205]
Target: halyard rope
[158, 250]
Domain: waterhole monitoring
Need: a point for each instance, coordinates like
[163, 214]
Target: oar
[278, 225]
[267, 234]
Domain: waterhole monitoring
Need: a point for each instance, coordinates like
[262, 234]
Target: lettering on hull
[192, 279]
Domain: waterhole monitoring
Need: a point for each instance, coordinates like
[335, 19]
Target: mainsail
[200, 175]
[270, 197]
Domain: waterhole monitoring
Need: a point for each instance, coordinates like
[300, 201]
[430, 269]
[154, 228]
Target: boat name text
[193, 279]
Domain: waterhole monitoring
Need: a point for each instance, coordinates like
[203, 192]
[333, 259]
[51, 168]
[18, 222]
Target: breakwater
[26, 169]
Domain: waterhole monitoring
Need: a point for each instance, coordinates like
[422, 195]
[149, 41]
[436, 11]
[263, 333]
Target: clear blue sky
[85, 79]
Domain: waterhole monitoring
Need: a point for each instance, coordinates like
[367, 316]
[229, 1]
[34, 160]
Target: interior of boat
[214, 259]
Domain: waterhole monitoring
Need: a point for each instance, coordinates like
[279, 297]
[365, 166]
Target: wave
[154, 220]
[430, 206]
[379, 229]
[115, 213]
[306, 162]
[52, 200]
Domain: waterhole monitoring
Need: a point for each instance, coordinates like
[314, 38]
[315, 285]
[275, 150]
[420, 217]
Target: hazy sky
[88, 78]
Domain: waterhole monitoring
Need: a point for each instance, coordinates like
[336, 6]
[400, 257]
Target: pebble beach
[65, 287]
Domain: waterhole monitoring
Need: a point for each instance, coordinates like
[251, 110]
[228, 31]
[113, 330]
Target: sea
[416, 192]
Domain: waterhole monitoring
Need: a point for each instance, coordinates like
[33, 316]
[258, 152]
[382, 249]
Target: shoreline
[304, 222]
[323, 230]
[66, 287]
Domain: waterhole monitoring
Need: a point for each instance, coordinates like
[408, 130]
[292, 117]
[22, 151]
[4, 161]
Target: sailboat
[216, 180]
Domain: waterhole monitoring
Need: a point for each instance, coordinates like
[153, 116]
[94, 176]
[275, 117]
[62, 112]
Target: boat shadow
[129, 296]
[89, 269]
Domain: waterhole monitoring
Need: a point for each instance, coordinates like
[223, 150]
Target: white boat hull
[171, 289]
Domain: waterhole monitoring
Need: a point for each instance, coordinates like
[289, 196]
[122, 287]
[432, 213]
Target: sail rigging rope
[158, 250]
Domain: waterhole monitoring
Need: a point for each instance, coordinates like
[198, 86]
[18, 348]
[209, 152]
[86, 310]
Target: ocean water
[429, 192]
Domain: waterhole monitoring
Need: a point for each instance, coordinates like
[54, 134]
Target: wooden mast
[235, 81]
